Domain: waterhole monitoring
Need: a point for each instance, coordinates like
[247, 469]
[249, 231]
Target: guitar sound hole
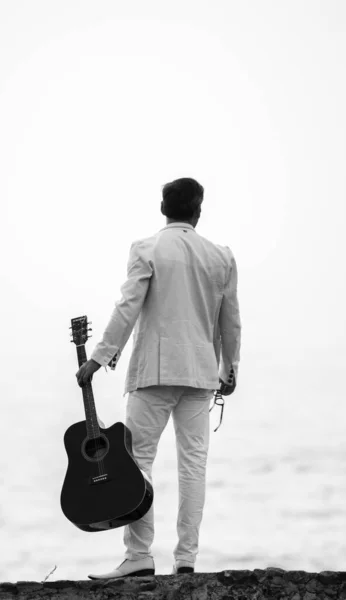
[96, 448]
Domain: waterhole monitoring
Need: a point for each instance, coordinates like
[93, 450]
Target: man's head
[182, 199]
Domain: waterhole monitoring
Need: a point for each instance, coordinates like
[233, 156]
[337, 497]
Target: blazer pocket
[190, 363]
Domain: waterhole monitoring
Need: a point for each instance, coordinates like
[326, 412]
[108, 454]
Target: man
[181, 300]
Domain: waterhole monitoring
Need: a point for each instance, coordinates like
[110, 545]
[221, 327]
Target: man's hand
[225, 389]
[86, 371]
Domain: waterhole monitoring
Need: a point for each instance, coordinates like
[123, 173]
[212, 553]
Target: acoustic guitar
[104, 487]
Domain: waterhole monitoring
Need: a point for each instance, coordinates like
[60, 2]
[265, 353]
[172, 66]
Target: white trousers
[147, 412]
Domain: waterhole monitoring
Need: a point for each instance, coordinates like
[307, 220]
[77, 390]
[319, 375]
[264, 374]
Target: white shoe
[182, 566]
[129, 568]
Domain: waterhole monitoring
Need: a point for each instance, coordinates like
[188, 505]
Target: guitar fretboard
[92, 425]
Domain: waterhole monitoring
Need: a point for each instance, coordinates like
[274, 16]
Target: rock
[245, 584]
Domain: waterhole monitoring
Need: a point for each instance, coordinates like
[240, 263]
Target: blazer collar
[179, 224]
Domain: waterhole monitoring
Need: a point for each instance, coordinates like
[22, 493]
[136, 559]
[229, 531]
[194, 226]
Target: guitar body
[104, 487]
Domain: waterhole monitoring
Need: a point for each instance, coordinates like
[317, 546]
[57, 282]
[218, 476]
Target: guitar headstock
[80, 330]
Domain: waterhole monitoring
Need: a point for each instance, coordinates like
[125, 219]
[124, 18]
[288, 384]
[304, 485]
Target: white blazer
[180, 300]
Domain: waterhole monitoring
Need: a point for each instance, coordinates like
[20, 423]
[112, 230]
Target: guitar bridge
[99, 479]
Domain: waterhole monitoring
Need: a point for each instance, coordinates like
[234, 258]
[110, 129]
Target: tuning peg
[89, 322]
[71, 341]
[90, 329]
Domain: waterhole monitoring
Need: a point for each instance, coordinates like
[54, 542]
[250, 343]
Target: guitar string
[92, 425]
[96, 439]
[101, 460]
[89, 403]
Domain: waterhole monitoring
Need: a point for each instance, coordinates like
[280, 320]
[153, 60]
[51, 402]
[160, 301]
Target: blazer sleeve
[127, 309]
[230, 326]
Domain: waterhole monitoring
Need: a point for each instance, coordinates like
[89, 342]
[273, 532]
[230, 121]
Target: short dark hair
[181, 198]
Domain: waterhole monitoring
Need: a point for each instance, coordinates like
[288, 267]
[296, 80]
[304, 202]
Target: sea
[276, 480]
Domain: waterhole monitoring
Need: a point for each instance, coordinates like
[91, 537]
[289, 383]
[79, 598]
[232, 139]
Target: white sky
[101, 103]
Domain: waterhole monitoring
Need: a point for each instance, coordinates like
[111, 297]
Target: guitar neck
[92, 425]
